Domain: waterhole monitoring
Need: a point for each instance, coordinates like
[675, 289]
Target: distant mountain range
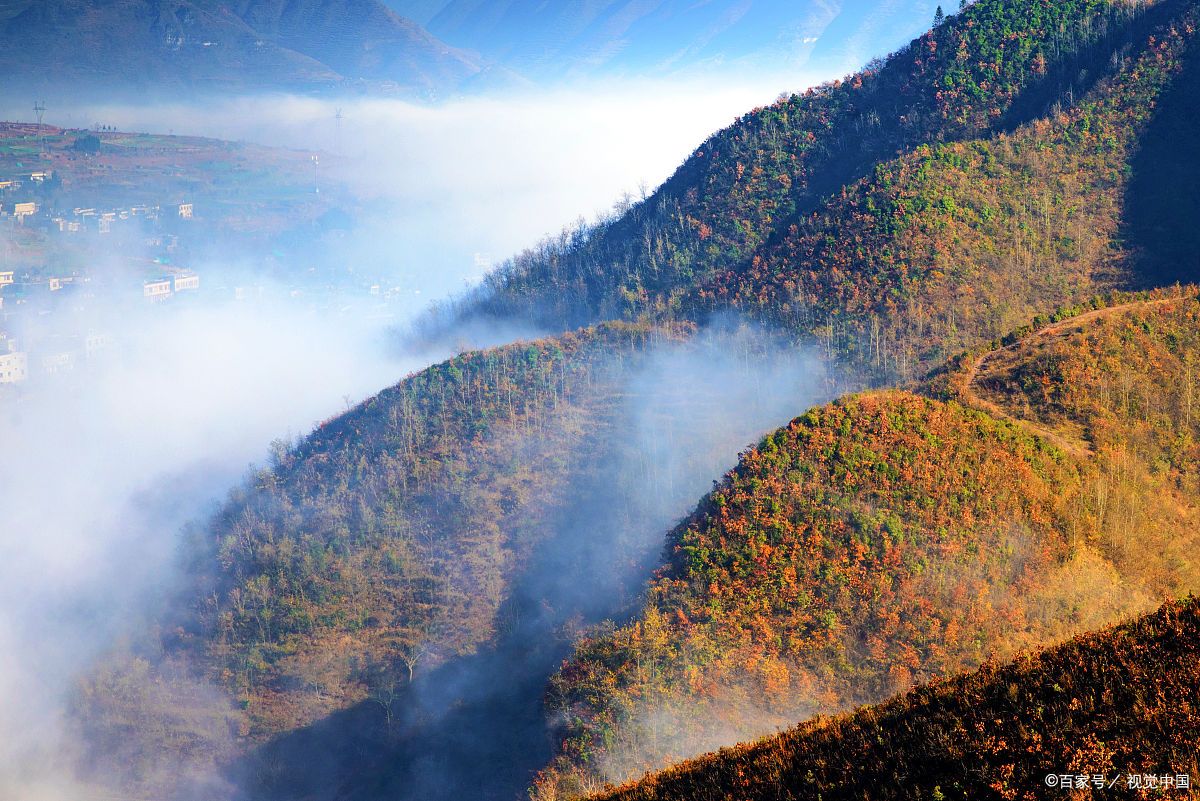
[215, 45]
[427, 47]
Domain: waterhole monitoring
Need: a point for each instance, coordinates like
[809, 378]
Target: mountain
[377, 548]
[69, 46]
[589, 39]
[73, 47]
[359, 39]
[1024, 495]
[938, 199]
[353, 603]
[419, 11]
[398, 527]
[1118, 704]
[377, 612]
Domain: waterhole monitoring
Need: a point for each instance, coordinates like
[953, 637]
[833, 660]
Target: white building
[187, 281]
[95, 342]
[14, 367]
[157, 290]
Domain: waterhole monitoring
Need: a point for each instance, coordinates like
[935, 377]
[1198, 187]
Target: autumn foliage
[1019, 484]
[934, 201]
[1116, 703]
[892, 538]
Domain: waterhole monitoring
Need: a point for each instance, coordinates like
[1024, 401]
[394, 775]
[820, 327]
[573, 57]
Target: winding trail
[969, 390]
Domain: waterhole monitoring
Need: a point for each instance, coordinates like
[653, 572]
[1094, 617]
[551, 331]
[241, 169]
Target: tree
[411, 653]
[89, 145]
[939, 16]
[385, 690]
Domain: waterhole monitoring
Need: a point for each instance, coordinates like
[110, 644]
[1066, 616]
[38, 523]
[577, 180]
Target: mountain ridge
[927, 207]
[1117, 703]
[757, 212]
[891, 538]
[665, 37]
[157, 46]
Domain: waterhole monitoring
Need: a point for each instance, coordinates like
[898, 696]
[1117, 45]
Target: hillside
[460, 525]
[382, 544]
[426, 48]
[1118, 703]
[376, 613]
[360, 39]
[396, 528]
[932, 202]
[893, 538]
[67, 47]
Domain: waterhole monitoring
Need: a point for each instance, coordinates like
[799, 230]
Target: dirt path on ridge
[972, 372]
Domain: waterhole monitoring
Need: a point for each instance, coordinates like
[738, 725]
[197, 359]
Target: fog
[101, 466]
[448, 189]
[475, 727]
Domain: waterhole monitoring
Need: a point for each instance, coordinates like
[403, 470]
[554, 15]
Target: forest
[1115, 704]
[1021, 497]
[939, 198]
[981, 241]
[376, 548]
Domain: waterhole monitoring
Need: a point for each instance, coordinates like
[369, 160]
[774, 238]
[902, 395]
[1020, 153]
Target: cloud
[685, 411]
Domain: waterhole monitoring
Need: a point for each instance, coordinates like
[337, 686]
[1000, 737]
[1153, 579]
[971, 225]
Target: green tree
[89, 145]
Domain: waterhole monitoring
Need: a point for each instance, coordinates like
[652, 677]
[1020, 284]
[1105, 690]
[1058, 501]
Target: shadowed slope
[1114, 703]
[157, 47]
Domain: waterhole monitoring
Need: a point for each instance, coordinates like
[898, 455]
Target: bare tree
[412, 653]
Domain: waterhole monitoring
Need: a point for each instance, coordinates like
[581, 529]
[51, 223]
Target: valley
[858, 459]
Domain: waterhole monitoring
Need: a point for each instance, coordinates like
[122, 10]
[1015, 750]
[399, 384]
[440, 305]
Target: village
[98, 224]
[45, 293]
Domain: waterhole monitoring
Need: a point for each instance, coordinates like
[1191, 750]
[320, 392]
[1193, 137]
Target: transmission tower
[39, 108]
